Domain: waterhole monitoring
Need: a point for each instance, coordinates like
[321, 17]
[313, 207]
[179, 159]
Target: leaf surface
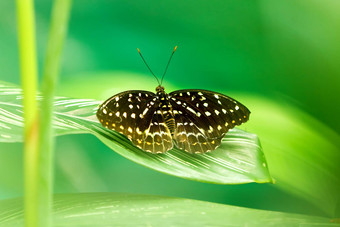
[238, 160]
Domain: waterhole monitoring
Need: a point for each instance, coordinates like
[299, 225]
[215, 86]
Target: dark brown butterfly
[194, 120]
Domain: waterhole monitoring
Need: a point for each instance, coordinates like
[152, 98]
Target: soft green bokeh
[279, 58]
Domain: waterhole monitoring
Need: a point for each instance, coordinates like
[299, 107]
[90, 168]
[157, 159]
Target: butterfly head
[160, 89]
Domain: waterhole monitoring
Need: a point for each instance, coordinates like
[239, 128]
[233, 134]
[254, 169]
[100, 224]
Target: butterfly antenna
[147, 65]
[166, 68]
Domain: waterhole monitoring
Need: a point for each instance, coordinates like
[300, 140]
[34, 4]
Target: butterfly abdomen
[170, 122]
[166, 110]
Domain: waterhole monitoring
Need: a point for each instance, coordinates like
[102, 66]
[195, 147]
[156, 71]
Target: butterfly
[194, 120]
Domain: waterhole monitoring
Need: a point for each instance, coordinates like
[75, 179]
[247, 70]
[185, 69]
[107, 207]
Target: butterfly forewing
[190, 137]
[203, 117]
[134, 114]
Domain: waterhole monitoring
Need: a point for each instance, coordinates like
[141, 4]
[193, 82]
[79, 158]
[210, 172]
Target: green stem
[58, 29]
[29, 77]
[38, 129]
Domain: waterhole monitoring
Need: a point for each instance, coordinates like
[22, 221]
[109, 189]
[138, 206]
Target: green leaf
[120, 209]
[303, 152]
[238, 160]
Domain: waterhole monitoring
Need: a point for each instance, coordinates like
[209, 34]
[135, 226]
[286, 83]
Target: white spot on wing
[145, 111]
[191, 110]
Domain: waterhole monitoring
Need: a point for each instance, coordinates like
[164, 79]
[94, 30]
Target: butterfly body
[194, 120]
[165, 108]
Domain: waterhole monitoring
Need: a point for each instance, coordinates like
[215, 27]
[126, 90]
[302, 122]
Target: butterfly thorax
[165, 108]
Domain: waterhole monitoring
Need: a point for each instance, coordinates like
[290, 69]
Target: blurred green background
[279, 58]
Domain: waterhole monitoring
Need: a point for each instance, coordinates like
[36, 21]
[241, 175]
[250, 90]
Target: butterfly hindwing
[157, 138]
[189, 137]
[203, 117]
